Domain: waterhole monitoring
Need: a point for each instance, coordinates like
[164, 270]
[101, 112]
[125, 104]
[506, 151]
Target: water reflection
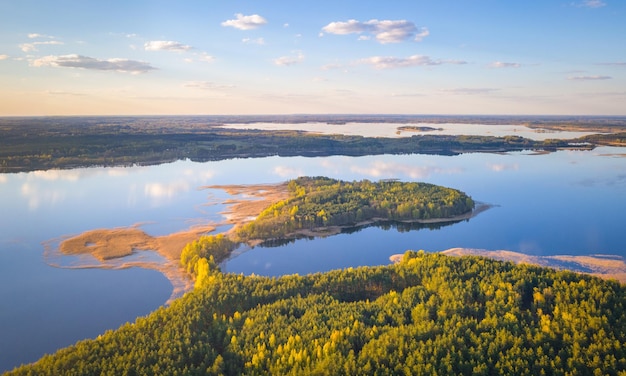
[380, 170]
[394, 130]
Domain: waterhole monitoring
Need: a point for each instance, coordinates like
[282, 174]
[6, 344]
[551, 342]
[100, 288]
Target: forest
[322, 202]
[29, 144]
[430, 314]
[318, 203]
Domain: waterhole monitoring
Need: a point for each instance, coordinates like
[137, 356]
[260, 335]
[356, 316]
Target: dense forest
[430, 314]
[321, 202]
[317, 203]
[28, 144]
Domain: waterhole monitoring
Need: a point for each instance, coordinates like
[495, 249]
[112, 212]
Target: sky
[539, 57]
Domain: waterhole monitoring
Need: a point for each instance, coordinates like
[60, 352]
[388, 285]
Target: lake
[567, 202]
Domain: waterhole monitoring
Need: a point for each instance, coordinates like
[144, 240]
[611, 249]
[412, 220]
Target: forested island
[428, 314]
[319, 206]
[29, 144]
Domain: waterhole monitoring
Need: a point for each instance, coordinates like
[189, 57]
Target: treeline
[321, 202]
[430, 314]
[26, 149]
[614, 139]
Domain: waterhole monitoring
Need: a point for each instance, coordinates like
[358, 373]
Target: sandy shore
[603, 266]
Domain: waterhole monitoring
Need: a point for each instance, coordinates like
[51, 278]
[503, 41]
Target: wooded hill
[429, 314]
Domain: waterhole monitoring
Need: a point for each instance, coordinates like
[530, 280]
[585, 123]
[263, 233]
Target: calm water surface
[568, 202]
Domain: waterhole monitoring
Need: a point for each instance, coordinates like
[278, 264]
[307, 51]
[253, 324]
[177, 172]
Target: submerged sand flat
[603, 266]
[253, 200]
[111, 248]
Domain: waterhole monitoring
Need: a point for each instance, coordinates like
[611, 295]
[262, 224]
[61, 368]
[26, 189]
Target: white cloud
[245, 22]
[590, 4]
[588, 78]
[85, 62]
[205, 57]
[385, 31]
[259, 41]
[501, 64]
[4, 57]
[28, 47]
[166, 45]
[37, 35]
[289, 60]
[386, 62]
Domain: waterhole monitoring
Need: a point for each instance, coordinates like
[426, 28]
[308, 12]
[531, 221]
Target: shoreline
[611, 267]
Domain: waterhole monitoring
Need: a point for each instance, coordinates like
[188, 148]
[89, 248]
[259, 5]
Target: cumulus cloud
[259, 41]
[387, 62]
[242, 22]
[3, 57]
[501, 64]
[28, 47]
[589, 4]
[86, 62]
[166, 45]
[384, 31]
[588, 78]
[37, 35]
[289, 60]
[205, 57]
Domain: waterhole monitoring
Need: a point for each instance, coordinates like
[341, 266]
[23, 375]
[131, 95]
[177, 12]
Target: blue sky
[268, 57]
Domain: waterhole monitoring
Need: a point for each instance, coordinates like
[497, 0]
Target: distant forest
[28, 144]
[430, 314]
